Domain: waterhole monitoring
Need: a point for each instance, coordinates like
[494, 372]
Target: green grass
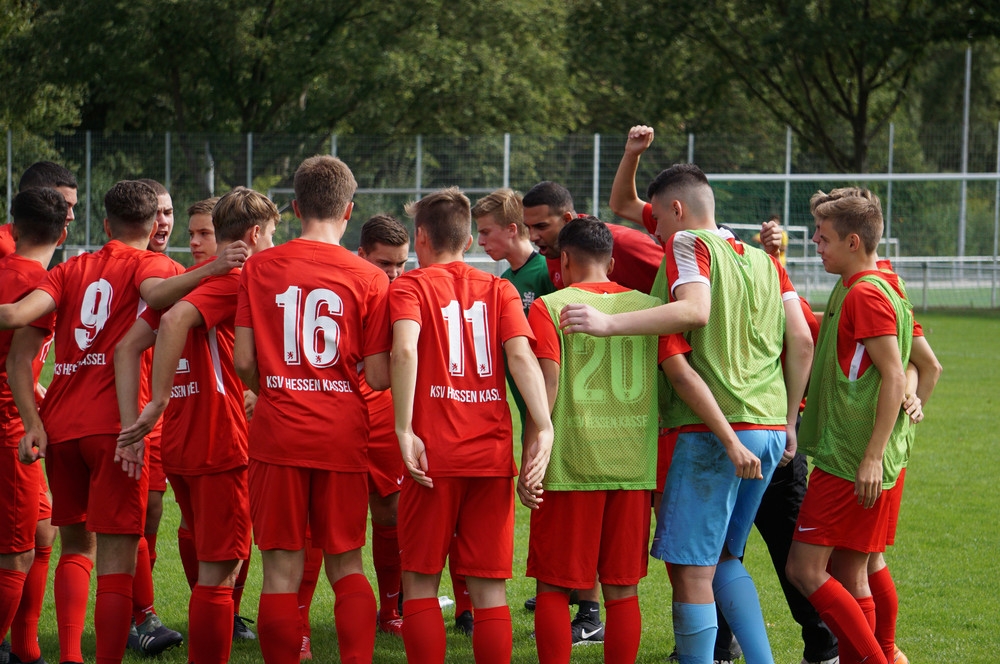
[944, 563]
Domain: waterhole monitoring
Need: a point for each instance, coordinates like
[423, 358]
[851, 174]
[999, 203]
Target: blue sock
[695, 627]
[738, 601]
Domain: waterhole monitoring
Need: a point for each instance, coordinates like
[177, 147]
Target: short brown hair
[446, 217]
[852, 210]
[131, 208]
[383, 229]
[324, 186]
[203, 207]
[239, 211]
[156, 186]
[505, 206]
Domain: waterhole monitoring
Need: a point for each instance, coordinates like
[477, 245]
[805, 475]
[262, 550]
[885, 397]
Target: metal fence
[934, 213]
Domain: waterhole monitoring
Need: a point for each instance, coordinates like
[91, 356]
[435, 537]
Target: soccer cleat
[730, 654]
[4, 651]
[833, 660]
[305, 652]
[133, 637]
[899, 657]
[154, 638]
[391, 624]
[586, 631]
[240, 629]
[14, 659]
[529, 604]
[463, 623]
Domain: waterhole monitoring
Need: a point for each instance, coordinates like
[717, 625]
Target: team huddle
[284, 392]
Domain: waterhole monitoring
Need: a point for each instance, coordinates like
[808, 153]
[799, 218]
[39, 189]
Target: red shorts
[577, 534]
[44, 502]
[217, 510]
[831, 516]
[284, 499]
[88, 486]
[895, 497]
[665, 444]
[157, 477]
[476, 512]
[386, 469]
[19, 498]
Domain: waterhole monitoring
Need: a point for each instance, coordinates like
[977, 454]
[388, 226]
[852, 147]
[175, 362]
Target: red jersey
[317, 311]
[97, 301]
[546, 344]
[205, 426]
[460, 405]
[637, 260]
[7, 245]
[18, 277]
[865, 313]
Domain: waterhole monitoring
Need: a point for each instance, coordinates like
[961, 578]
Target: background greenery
[944, 561]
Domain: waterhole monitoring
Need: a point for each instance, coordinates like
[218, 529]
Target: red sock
[886, 610]
[423, 631]
[241, 582]
[307, 587]
[151, 544]
[353, 611]
[72, 592]
[210, 620]
[11, 583]
[24, 631]
[142, 584]
[463, 602]
[385, 558]
[492, 641]
[622, 630]
[553, 634]
[112, 613]
[189, 556]
[842, 614]
[278, 628]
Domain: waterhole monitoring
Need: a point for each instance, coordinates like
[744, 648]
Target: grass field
[945, 562]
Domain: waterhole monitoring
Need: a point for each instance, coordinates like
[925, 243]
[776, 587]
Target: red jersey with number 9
[316, 311]
[460, 406]
[97, 301]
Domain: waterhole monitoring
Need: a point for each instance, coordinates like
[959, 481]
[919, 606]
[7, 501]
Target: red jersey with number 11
[460, 405]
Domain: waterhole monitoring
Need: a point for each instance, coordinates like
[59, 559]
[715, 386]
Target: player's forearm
[128, 371]
[30, 308]
[625, 200]
[530, 382]
[167, 291]
[21, 378]
[245, 358]
[693, 390]
[670, 318]
[928, 368]
[167, 353]
[890, 395]
[798, 358]
[403, 381]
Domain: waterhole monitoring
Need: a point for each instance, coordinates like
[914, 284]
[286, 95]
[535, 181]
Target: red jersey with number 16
[316, 311]
[97, 301]
[460, 403]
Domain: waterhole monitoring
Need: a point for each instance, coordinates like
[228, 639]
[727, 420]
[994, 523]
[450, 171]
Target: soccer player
[195, 389]
[853, 425]
[201, 231]
[755, 313]
[775, 519]
[454, 428]
[595, 515]
[309, 313]
[39, 226]
[97, 297]
[42, 174]
[386, 245]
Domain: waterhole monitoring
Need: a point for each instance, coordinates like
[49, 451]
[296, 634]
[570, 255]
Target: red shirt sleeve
[647, 218]
[213, 298]
[670, 345]
[867, 313]
[156, 266]
[546, 343]
[404, 302]
[377, 337]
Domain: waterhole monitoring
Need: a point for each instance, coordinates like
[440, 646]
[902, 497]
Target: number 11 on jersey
[455, 319]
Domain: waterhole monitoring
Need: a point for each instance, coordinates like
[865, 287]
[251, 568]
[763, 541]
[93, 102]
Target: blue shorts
[705, 505]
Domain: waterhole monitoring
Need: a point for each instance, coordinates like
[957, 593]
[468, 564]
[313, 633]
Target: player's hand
[32, 446]
[868, 482]
[415, 457]
[746, 462]
[770, 237]
[529, 481]
[249, 403]
[584, 318]
[135, 433]
[235, 255]
[913, 407]
[131, 457]
[640, 137]
[791, 446]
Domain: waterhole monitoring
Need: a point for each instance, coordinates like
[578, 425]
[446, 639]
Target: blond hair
[505, 206]
[239, 211]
